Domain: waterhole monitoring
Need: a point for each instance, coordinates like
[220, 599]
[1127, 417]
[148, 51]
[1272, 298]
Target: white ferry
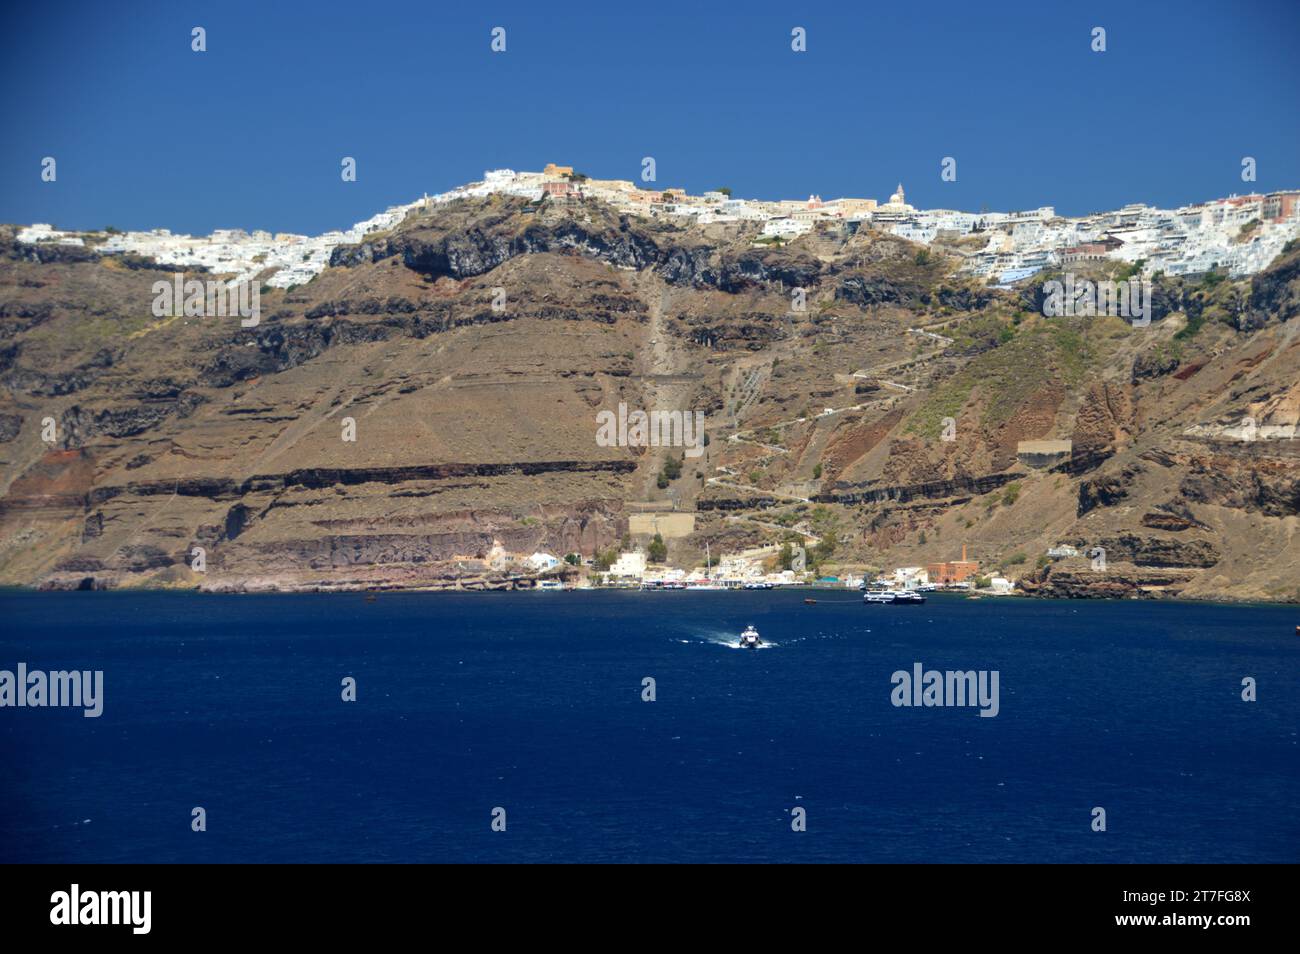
[907, 597]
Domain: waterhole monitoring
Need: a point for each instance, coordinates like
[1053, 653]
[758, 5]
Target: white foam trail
[733, 642]
[727, 639]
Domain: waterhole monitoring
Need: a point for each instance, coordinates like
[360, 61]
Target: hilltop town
[883, 396]
[1238, 235]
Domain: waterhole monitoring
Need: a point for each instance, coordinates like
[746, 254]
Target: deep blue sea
[532, 702]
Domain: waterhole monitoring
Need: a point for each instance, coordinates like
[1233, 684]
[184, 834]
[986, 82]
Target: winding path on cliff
[665, 384]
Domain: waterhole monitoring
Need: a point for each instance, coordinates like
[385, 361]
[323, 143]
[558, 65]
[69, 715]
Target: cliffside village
[1238, 234]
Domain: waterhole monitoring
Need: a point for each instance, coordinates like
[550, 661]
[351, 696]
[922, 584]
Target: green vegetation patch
[1038, 353]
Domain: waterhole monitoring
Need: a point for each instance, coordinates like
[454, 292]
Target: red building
[955, 571]
[1280, 205]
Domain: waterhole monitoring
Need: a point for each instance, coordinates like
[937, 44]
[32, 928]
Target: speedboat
[749, 638]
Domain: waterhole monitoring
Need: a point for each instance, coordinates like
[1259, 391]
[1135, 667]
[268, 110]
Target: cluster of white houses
[295, 259]
[746, 569]
[1239, 235]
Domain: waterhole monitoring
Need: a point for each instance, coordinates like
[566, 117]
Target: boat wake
[730, 641]
[735, 644]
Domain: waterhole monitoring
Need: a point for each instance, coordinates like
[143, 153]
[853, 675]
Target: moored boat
[906, 597]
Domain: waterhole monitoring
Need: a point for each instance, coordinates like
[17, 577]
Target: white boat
[550, 585]
[907, 597]
[749, 639]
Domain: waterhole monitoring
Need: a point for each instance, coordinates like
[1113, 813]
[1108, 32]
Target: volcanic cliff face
[428, 406]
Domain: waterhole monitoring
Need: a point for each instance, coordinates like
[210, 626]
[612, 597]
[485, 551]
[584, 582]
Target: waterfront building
[955, 571]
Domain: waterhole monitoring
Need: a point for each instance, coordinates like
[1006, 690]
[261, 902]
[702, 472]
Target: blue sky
[250, 134]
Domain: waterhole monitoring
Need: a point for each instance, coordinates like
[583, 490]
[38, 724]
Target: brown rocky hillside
[476, 426]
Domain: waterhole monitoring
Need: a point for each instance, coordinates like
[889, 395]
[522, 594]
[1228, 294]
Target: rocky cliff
[426, 407]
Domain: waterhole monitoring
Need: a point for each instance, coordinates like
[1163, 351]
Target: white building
[629, 564]
[909, 577]
[787, 227]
